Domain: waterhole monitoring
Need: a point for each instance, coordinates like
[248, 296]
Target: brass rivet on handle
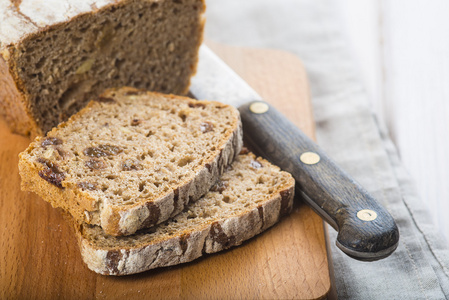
[367, 215]
[258, 107]
[309, 158]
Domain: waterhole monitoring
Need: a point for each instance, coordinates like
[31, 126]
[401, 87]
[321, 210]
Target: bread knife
[366, 230]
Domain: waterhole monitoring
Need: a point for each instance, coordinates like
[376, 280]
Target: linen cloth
[348, 131]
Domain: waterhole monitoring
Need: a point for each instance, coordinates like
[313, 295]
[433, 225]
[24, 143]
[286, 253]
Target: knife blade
[366, 230]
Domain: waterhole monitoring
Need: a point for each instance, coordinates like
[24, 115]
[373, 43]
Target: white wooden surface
[402, 48]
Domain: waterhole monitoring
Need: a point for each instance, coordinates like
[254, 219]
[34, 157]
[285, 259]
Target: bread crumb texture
[132, 159]
[251, 196]
[55, 56]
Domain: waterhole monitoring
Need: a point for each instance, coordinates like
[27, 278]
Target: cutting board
[40, 258]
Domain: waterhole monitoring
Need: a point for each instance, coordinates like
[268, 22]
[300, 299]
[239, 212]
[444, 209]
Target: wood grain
[404, 64]
[325, 186]
[40, 257]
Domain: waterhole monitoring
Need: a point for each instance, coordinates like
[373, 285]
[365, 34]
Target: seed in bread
[107, 169]
[251, 196]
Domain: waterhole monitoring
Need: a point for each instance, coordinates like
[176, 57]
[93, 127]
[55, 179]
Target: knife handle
[366, 231]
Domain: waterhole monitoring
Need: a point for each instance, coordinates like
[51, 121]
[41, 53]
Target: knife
[366, 231]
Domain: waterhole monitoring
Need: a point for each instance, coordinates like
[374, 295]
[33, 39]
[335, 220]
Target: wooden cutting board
[40, 258]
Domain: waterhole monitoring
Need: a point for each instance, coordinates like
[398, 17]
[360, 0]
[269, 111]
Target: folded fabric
[347, 129]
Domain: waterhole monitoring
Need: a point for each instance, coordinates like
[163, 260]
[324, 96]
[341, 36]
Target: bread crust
[188, 246]
[120, 220]
[12, 104]
[15, 99]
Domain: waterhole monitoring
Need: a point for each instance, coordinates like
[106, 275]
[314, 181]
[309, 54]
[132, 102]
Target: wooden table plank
[403, 66]
[40, 257]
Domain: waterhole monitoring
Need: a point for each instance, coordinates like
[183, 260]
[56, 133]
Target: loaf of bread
[132, 159]
[57, 55]
[249, 198]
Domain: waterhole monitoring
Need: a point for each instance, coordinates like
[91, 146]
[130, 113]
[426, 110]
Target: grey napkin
[348, 130]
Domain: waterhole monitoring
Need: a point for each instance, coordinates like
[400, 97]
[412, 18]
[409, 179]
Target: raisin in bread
[132, 159]
[57, 55]
[249, 198]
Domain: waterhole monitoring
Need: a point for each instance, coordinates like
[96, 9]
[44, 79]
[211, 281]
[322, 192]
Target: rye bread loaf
[132, 159]
[55, 56]
[251, 196]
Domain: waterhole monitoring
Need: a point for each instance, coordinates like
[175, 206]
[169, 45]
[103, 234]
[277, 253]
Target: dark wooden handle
[366, 231]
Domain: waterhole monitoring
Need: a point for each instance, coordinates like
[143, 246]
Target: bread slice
[249, 198]
[57, 55]
[132, 159]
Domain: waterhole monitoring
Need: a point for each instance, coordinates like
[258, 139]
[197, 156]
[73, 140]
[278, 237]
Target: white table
[402, 48]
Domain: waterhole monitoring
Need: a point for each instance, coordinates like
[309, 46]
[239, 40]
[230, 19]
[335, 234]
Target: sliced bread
[249, 198]
[57, 55]
[132, 159]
